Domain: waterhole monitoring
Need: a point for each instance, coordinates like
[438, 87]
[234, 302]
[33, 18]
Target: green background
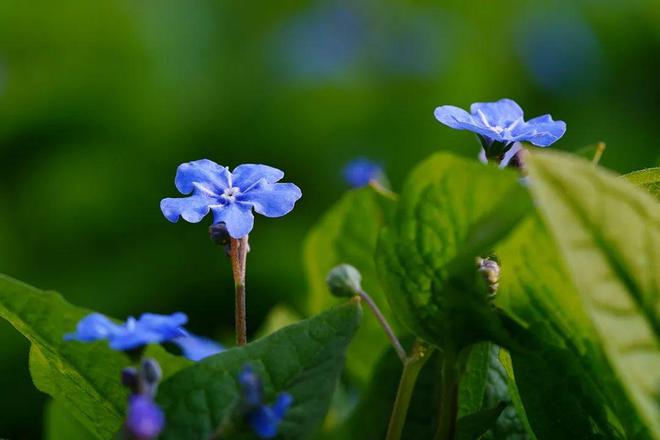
[100, 101]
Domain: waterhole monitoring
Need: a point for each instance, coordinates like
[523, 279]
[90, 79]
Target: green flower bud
[344, 281]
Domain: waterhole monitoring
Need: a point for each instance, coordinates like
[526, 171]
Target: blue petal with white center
[134, 333]
[500, 124]
[230, 196]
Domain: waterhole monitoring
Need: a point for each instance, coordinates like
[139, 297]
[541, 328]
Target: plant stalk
[411, 368]
[449, 398]
[386, 326]
[239, 247]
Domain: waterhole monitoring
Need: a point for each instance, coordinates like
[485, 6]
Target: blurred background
[100, 101]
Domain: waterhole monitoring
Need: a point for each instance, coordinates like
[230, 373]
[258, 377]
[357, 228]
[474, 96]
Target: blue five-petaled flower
[501, 124]
[263, 419]
[134, 333]
[230, 196]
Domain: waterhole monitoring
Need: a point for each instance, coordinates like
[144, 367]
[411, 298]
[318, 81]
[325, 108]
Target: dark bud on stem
[151, 372]
[344, 281]
[219, 234]
[129, 378]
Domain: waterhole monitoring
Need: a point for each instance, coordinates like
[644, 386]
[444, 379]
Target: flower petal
[237, 217]
[459, 119]
[497, 114]
[272, 199]
[246, 175]
[541, 131]
[192, 209]
[93, 327]
[205, 172]
[197, 348]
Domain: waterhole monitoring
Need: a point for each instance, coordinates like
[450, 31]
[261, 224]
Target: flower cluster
[150, 328]
[263, 419]
[499, 125]
[230, 196]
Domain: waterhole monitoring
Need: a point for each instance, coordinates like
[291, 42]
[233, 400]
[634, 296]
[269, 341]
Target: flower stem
[411, 368]
[239, 248]
[449, 398]
[386, 326]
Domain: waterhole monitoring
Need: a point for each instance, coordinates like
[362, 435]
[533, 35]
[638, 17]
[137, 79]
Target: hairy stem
[386, 326]
[449, 398]
[411, 368]
[239, 248]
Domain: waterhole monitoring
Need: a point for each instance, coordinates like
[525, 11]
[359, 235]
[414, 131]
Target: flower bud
[151, 371]
[129, 378]
[144, 420]
[344, 281]
[490, 270]
[219, 234]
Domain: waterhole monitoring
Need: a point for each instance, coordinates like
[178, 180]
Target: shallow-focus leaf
[649, 179]
[304, 359]
[474, 379]
[84, 378]
[348, 233]
[537, 292]
[608, 232]
[473, 426]
[59, 424]
[451, 210]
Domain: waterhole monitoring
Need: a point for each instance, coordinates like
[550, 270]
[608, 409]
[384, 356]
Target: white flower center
[230, 194]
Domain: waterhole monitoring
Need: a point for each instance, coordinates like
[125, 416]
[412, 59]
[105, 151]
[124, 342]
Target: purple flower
[230, 196]
[263, 419]
[149, 328]
[360, 172]
[197, 348]
[500, 124]
[144, 420]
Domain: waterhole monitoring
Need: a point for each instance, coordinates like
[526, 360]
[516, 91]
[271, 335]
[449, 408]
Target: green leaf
[451, 211]
[473, 380]
[649, 179]
[564, 351]
[304, 359]
[83, 377]
[59, 424]
[348, 233]
[608, 232]
[473, 426]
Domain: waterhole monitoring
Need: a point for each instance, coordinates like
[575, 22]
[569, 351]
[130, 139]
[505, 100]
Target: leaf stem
[412, 366]
[386, 326]
[449, 397]
[239, 247]
[600, 149]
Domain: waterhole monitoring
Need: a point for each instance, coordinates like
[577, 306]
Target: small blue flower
[360, 172]
[263, 419]
[230, 196]
[500, 124]
[197, 348]
[149, 328]
[145, 420]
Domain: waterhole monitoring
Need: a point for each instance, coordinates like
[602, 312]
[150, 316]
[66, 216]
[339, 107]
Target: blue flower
[263, 419]
[197, 348]
[145, 420]
[360, 172]
[230, 196]
[149, 328]
[500, 124]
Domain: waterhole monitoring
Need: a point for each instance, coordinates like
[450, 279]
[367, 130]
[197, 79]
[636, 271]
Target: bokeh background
[100, 101]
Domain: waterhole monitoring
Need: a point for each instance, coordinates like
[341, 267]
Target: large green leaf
[59, 424]
[84, 378]
[649, 179]
[348, 233]
[608, 232]
[304, 359]
[451, 210]
[564, 351]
